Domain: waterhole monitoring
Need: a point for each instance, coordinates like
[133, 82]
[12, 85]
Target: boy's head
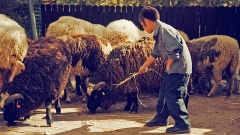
[148, 17]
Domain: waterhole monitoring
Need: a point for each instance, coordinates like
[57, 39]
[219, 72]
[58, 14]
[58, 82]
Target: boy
[170, 46]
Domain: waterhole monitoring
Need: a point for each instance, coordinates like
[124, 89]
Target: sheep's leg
[129, 103]
[218, 78]
[68, 95]
[230, 88]
[78, 83]
[58, 106]
[134, 97]
[209, 81]
[84, 88]
[49, 118]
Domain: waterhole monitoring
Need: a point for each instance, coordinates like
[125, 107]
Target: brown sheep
[212, 55]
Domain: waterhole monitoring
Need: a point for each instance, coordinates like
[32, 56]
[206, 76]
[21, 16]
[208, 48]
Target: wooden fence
[196, 21]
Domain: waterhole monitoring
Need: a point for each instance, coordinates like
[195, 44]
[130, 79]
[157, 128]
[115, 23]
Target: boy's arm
[147, 63]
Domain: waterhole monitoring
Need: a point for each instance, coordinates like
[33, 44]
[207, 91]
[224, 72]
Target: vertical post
[33, 20]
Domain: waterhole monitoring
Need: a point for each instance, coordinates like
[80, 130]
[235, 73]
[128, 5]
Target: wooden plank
[203, 18]
[231, 18]
[186, 24]
[66, 10]
[54, 13]
[191, 23]
[209, 21]
[170, 15]
[101, 15]
[60, 10]
[179, 11]
[48, 15]
[163, 14]
[118, 13]
[84, 12]
[106, 16]
[124, 12]
[112, 14]
[95, 15]
[89, 15]
[129, 13]
[136, 11]
[237, 26]
[158, 9]
[196, 33]
[43, 12]
[78, 11]
[72, 10]
[175, 23]
[220, 20]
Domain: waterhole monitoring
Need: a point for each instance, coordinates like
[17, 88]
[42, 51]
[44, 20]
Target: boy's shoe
[176, 130]
[155, 122]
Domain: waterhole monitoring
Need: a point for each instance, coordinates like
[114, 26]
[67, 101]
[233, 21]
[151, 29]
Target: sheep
[48, 63]
[13, 49]
[122, 30]
[212, 55]
[124, 59]
[67, 25]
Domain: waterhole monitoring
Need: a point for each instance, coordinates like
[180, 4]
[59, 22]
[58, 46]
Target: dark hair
[149, 13]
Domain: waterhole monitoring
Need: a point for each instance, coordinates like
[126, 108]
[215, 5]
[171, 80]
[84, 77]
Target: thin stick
[134, 75]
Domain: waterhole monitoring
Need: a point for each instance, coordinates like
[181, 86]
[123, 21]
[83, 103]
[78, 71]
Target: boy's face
[148, 25]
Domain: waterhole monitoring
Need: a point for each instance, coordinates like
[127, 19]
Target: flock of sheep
[36, 72]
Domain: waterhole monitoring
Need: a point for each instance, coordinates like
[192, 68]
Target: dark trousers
[172, 93]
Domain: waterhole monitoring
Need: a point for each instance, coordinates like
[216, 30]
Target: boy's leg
[161, 118]
[175, 90]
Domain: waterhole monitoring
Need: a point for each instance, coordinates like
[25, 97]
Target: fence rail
[196, 21]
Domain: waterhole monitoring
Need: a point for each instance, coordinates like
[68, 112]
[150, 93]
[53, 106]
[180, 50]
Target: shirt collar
[157, 27]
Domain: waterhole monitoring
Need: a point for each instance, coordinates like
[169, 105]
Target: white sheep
[13, 49]
[68, 25]
[120, 31]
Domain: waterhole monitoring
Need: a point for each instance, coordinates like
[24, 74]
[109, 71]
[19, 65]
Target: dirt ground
[209, 116]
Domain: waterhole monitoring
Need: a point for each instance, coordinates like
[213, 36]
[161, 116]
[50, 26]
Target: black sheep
[124, 59]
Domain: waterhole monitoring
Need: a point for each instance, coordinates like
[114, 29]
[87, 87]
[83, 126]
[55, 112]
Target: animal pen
[196, 21]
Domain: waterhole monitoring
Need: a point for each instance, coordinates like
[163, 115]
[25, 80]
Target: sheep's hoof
[126, 108]
[68, 102]
[58, 111]
[11, 124]
[228, 94]
[49, 124]
[210, 95]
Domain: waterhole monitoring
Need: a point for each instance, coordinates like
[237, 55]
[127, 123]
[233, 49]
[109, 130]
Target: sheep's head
[97, 96]
[12, 106]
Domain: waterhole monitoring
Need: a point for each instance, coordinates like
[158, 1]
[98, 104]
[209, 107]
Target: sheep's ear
[19, 103]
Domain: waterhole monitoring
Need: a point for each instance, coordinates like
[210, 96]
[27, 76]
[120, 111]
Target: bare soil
[219, 115]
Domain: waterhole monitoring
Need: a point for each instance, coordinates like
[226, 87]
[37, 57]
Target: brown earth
[209, 116]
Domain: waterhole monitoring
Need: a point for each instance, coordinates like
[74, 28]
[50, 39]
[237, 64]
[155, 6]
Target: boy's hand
[142, 69]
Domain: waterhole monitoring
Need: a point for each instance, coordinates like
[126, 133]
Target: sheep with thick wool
[68, 25]
[13, 49]
[124, 59]
[211, 56]
[120, 31]
[48, 63]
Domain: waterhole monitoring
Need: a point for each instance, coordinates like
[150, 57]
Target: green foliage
[148, 2]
